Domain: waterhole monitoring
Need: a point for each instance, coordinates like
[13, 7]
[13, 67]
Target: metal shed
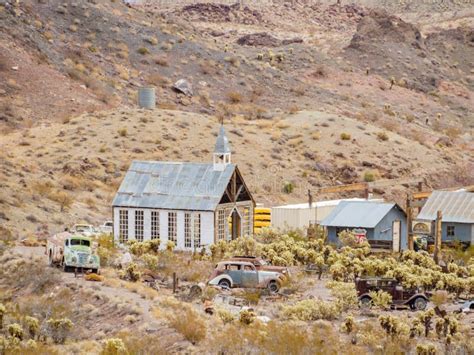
[457, 208]
[299, 216]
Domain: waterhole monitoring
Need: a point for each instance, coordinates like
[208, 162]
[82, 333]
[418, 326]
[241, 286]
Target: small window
[248, 268]
[197, 230]
[172, 232]
[123, 226]
[155, 225]
[139, 225]
[187, 230]
[220, 225]
[450, 231]
[233, 267]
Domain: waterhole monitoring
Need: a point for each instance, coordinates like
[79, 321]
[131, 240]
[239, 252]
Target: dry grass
[235, 97]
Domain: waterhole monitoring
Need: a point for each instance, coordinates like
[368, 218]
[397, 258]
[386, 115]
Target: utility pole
[409, 223]
[438, 229]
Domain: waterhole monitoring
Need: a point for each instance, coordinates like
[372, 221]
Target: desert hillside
[311, 95]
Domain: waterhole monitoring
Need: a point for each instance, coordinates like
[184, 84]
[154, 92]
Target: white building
[192, 204]
[299, 216]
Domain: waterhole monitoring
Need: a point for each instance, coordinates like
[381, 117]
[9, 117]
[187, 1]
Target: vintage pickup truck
[233, 273]
[72, 252]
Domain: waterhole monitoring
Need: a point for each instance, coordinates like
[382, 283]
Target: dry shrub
[64, 200]
[316, 135]
[122, 132]
[299, 90]
[453, 132]
[276, 338]
[158, 80]
[371, 175]
[345, 136]
[293, 109]
[93, 277]
[3, 63]
[235, 97]
[383, 136]
[283, 125]
[188, 322]
[309, 310]
[161, 61]
[143, 51]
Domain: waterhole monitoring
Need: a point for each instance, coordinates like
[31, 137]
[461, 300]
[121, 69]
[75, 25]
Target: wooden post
[409, 223]
[438, 229]
[174, 282]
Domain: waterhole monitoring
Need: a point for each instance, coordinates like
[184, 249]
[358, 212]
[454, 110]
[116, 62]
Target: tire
[65, 267]
[224, 283]
[273, 286]
[365, 302]
[419, 304]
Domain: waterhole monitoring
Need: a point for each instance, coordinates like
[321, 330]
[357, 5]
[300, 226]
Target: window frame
[172, 227]
[450, 231]
[123, 226]
[221, 225]
[187, 230]
[155, 225]
[139, 225]
[197, 242]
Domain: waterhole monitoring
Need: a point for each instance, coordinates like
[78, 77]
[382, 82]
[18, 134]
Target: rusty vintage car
[262, 264]
[234, 273]
[401, 296]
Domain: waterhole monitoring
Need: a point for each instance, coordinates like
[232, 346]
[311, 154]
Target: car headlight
[74, 259]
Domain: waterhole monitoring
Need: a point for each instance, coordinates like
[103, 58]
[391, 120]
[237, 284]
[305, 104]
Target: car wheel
[419, 304]
[365, 302]
[273, 286]
[224, 283]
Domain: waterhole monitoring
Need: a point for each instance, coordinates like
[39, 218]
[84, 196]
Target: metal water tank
[146, 97]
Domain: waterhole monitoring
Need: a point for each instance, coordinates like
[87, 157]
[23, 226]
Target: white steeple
[222, 152]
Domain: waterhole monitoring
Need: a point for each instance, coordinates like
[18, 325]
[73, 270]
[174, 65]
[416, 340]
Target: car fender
[412, 298]
[215, 280]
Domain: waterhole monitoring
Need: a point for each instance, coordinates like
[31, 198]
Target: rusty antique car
[262, 264]
[401, 296]
[234, 273]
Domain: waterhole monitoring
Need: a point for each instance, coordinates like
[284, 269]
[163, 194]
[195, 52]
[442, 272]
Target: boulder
[183, 86]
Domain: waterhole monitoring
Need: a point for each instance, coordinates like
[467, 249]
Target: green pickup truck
[72, 252]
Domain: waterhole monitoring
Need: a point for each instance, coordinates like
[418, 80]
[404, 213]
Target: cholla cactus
[59, 329]
[15, 330]
[32, 325]
[114, 346]
[3, 310]
[381, 299]
[247, 317]
[348, 324]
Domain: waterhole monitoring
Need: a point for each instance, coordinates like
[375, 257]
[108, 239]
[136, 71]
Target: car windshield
[82, 228]
[80, 242]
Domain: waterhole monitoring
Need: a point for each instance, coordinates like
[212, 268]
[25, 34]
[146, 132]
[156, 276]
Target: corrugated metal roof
[363, 214]
[168, 185]
[222, 143]
[455, 206]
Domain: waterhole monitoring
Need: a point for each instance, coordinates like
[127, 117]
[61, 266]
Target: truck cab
[72, 251]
